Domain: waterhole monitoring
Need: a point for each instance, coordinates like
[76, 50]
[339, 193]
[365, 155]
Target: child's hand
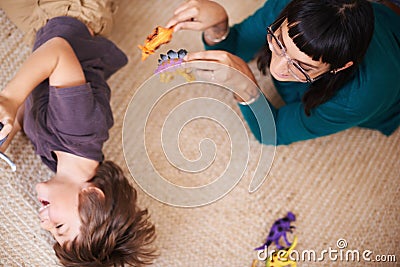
[198, 15]
[8, 111]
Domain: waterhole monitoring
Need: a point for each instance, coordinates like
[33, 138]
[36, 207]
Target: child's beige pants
[31, 15]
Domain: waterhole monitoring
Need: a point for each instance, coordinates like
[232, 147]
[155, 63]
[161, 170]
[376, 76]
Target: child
[60, 98]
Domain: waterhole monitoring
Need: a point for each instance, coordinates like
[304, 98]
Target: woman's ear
[95, 190]
[347, 65]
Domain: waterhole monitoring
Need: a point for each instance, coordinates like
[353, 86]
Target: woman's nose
[281, 65]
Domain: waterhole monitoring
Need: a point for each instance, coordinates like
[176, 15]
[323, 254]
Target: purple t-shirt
[75, 119]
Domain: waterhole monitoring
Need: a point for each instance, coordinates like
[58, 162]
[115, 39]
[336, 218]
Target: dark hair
[114, 230]
[334, 31]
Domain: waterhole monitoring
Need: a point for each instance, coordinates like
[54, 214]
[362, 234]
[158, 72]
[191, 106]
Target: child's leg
[31, 15]
[19, 12]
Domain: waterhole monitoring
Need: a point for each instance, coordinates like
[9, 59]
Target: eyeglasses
[294, 68]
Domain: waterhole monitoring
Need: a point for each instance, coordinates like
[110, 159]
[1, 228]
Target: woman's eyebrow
[298, 61]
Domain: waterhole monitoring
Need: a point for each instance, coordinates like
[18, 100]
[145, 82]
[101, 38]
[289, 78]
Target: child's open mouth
[45, 204]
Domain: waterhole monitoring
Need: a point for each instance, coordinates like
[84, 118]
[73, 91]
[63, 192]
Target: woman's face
[280, 67]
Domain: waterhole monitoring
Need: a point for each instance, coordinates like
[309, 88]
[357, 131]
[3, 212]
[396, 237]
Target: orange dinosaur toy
[158, 37]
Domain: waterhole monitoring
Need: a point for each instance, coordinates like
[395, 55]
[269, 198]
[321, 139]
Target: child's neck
[75, 167]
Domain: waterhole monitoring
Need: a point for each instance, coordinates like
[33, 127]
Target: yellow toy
[281, 257]
[166, 77]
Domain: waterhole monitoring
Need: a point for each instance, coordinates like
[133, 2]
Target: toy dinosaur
[169, 64]
[279, 229]
[158, 37]
[172, 58]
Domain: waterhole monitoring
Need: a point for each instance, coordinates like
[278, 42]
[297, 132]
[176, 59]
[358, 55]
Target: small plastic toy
[3, 156]
[5, 138]
[279, 229]
[170, 64]
[172, 58]
[158, 37]
[281, 258]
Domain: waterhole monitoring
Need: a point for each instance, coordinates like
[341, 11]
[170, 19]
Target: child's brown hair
[114, 230]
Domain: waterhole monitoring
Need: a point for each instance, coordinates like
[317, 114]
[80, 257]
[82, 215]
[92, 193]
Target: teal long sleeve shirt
[371, 99]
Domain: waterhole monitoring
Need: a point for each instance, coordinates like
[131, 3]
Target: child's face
[59, 212]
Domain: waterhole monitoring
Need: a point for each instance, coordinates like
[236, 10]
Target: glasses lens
[274, 46]
[296, 72]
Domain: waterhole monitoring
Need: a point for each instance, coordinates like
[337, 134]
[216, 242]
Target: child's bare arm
[54, 60]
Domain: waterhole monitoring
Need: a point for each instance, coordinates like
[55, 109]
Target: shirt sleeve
[75, 114]
[246, 38]
[292, 124]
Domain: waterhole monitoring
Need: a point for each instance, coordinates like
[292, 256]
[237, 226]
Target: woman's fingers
[184, 6]
[190, 24]
[179, 19]
[213, 55]
[187, 12]
[207, 67]
[224, 58]
[197, 15]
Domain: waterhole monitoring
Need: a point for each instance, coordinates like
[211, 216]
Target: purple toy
[172, 58]
[279, 229]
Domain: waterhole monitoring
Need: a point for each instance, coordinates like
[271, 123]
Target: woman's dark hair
[335, 31]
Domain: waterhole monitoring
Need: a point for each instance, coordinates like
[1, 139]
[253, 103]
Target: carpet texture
[343, 186]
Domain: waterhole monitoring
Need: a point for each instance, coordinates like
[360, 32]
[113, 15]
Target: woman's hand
[239, 76]
[201, 15]
[225, 58]
[197, 15]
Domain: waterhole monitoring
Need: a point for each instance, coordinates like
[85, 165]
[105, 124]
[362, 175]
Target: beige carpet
[344, 186]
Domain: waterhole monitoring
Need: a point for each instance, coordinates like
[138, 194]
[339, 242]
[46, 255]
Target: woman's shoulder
[377, 78]
[386, 28]
[367, 93]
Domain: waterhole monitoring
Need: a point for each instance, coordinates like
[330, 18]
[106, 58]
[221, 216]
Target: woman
[335, 63]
